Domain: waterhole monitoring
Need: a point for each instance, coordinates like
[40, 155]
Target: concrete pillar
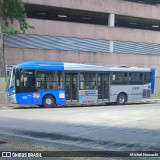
[111, 45]
[111, 20]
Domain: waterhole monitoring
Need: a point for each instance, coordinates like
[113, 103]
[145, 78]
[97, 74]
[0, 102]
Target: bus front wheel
[48, 101]
[121, 99]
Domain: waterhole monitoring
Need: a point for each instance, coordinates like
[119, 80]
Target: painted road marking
[5, 107]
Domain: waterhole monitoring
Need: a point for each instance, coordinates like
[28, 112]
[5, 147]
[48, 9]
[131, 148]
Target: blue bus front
[28, 87]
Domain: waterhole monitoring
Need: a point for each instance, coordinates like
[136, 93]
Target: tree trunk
[2, 58]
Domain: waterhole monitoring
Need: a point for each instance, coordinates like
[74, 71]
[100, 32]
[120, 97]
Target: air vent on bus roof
[124, 66]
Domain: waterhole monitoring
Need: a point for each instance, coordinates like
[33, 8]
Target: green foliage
[11, 10]
[9, 30]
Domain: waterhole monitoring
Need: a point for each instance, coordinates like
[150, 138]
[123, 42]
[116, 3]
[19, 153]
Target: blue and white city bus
[48, 84]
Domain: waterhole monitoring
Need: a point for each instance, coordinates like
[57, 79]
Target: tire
[121, 99]
[48, 101]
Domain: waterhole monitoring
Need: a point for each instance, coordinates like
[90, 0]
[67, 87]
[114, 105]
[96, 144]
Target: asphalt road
[134, 127]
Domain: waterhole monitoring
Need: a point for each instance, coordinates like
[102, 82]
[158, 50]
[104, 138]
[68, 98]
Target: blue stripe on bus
[127, 94]
[153, 80]
[41, 65]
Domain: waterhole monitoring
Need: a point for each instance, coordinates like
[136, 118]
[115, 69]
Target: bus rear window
[147, 77]
[135, 78]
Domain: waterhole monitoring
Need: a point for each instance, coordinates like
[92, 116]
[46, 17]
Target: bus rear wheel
[121, 99]
[48, 101]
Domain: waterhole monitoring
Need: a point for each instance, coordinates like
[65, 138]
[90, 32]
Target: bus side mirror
[17, 82]
[37, 85]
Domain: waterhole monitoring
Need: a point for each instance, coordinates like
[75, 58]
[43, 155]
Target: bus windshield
[25, 81]
[11, 79]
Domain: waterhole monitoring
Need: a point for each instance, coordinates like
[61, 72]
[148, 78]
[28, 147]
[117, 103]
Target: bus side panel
[134, 92]
[36, 97]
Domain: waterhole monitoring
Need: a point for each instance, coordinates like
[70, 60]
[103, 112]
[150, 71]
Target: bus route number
[135, 88]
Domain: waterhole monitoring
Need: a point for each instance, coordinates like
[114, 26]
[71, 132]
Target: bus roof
[47, 65]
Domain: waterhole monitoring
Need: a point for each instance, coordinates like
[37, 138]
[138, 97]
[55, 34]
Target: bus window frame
[143, 82]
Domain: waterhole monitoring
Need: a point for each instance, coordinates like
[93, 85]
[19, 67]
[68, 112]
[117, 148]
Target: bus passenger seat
[51, 87]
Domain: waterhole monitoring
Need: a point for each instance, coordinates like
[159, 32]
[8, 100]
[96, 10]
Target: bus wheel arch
[122, 98]
[48, 101]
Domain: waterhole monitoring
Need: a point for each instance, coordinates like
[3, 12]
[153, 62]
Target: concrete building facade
[102, 32]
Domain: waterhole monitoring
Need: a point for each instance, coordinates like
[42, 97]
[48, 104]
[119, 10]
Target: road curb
[5, 106]
[150, 100]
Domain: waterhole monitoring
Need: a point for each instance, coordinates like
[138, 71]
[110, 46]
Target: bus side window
[82, 81]
[135, 78]
[147, 77]
[60, 80]
[26, 81]
[120, 78]
[87, 80]
[46, 80]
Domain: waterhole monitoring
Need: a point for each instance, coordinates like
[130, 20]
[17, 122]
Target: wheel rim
[48, 101]
[121, 99]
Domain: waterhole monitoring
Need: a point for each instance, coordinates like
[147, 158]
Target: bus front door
[71, 86]
[103, 87]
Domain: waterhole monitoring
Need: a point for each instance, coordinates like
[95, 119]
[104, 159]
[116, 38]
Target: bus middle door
[103, 86]
[71, 87]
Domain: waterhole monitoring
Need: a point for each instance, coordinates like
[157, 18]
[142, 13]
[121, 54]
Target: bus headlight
[11, 93]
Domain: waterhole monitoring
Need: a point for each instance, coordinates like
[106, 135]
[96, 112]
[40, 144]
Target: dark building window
[88, 17]
[151, 2]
